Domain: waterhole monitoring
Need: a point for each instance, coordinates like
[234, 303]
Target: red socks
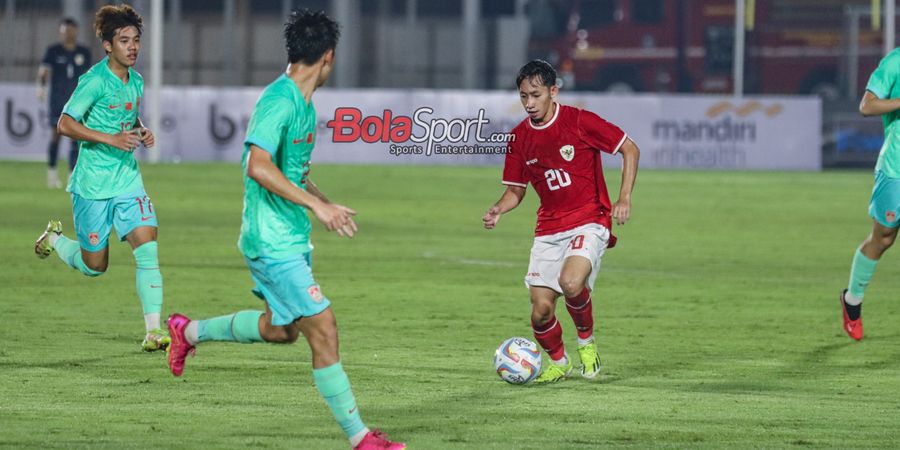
[582, 313]
[549, 336]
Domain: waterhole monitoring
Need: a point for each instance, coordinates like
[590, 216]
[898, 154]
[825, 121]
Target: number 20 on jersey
[557, 179]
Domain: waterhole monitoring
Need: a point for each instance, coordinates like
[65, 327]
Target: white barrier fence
[383, 126]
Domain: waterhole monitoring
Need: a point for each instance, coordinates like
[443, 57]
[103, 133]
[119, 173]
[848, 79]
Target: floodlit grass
[717, 320]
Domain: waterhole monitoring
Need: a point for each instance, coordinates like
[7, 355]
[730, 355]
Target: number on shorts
[577, 242]
[141, 204]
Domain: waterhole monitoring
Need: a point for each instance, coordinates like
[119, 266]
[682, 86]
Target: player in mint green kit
[275, 230]
[882, 98]
[106, 186]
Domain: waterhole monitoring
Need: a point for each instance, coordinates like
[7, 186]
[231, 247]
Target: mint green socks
[860, 273]
[334, 386]
[331, 381]
[148, 279]
[69, 252]
[240, 327]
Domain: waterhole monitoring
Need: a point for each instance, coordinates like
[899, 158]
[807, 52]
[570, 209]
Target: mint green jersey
[284, 125]
[102, 102]
[885, 84]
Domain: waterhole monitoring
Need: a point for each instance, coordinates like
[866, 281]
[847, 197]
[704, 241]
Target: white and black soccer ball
[517, 360]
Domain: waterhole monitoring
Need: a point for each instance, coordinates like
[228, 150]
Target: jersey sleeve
[268, 123]
[514, 165]
[48, 57]
[598, 133]
[88, 91]
[882, 80]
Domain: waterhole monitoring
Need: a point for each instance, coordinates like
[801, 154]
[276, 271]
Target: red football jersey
[561, 159]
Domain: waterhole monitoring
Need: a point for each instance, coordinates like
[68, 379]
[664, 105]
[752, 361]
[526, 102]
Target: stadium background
[717, 316]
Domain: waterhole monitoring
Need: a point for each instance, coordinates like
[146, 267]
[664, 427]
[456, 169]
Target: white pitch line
[470, 261]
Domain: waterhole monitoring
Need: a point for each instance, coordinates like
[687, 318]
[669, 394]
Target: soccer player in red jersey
[557, 149]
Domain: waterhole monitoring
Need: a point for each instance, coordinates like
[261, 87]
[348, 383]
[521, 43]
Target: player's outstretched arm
[508, 201]
[260, 168]
[126, 140]
[621, 210]
[871, 105]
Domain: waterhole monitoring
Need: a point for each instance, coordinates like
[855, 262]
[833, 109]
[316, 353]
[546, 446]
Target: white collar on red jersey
[549, 122]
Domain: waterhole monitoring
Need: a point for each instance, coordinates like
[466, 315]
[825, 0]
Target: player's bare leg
[321, 334]
[879, 240]
[276, 334]
[574, 274]
[543, 304]
[97, 261]
[548, 332]
[572, 279]
[91, 264]
[864, 262]
[148, 281]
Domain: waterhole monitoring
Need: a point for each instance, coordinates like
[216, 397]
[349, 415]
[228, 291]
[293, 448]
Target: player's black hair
[68, 21]
[308, 35]
[539, 69]
[111, 18]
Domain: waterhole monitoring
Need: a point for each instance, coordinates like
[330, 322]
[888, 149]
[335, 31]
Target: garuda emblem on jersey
[79, 59]
[567, 152]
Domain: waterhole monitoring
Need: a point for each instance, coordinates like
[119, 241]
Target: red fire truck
[792, 46]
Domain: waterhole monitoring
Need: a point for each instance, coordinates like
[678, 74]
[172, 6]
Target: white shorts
[549, 253]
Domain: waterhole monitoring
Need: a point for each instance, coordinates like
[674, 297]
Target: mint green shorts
[288, 287]
[94, 219]
[885, 203]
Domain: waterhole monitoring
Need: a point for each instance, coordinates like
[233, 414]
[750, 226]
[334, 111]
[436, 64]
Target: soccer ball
[517, 360]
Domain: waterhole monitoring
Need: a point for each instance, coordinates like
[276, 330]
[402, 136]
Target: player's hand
[621, 211]
[491, 217]
[337, 218]
[349, 228]
[147, 137]
[126, 140]
[42, 93]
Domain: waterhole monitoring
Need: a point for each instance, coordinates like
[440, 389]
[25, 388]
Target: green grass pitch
[717, 320]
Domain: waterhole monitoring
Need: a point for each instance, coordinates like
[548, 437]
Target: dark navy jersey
[65, 68]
